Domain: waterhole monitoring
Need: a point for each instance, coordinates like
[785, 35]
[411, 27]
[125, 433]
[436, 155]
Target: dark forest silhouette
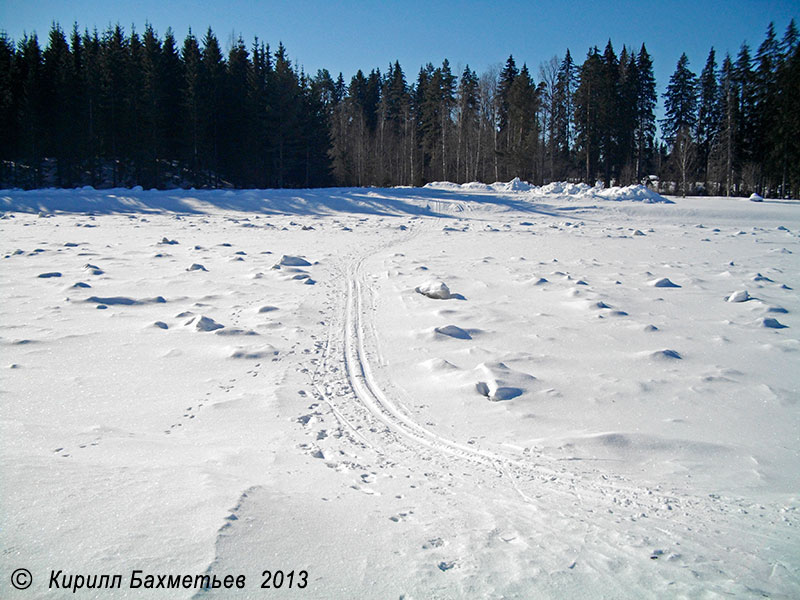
[126, 109]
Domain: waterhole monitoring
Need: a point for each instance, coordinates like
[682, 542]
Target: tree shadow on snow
[400, 201]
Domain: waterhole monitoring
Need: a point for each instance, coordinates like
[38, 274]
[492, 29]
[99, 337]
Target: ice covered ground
[448, 392]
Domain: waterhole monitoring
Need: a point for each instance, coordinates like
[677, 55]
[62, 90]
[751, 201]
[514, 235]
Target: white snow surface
[560, 426]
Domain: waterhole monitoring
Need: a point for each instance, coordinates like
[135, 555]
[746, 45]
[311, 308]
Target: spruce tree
[680, 101]
[588, 106]
[563, 114]
[680, 107]
[468, 126]
[8, 121]
[724, 151]
[171, 114]
[192, 107]
[59, 84]
[707, 113]
[149, 117]
[746, 131]
[646, 99]
[507, 76]
[31, 108]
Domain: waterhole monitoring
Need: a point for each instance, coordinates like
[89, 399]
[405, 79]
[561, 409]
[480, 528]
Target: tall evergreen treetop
[680, 101]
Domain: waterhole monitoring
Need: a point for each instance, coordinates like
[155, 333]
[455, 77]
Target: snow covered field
[233, 382]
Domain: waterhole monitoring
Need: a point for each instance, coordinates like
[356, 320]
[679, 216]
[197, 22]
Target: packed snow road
[603, 405]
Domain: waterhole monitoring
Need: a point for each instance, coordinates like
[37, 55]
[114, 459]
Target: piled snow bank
[476, 185]
[443, 185]
[563, 188]
[630, 193]
[582, 191]
[756, 198]
[560, 189]
[515, 185]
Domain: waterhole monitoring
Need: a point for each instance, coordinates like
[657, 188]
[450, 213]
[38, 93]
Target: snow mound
[559, 189]
[437, 290]
[229, 331]
[499, 382]
[515, 185]
[582, 191]
[772, 323]
[664, 355]
[631, 193]
[453, 332]
[293, 261]
[439, 364]
[663, 282]
[125, 300]
[563, 188]
[443, 185]
[477, 186]
[255, 353]
[739, 296]
[205, 324]
[756, 198]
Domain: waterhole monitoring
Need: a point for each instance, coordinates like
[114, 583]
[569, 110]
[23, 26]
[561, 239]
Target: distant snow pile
[563, 188]
[631, 193]
[515, 185]
[444, 185]
[582, 191]
[476, 185]
[560, 189]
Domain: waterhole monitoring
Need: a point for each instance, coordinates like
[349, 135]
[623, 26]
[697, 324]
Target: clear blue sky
[350, 35]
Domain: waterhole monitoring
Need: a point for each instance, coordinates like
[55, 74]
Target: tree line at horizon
[117, 109]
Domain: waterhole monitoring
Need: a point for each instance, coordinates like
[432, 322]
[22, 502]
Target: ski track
[366, 409]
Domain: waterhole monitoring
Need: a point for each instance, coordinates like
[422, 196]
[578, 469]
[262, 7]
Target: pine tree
[8, 121]
[506, 80]
[150, 117]
[394, 120]
[724, 151]
[680, 107]
[746, 132]
[646, 99]
[59, 88]
[91, 110]
[233, 133]
[707, 114]
[192, 99]
[767, 60]
[522, 128]
[468, 125]
[785, 150]
[284, 117]
[563, 115]
[31, 108]
[609, 114]
[212, 84]
[627, 93]
[588, 105]
[680, 101]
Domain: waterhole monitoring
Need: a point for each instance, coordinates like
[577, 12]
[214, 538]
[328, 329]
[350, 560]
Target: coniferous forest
[122, 108]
